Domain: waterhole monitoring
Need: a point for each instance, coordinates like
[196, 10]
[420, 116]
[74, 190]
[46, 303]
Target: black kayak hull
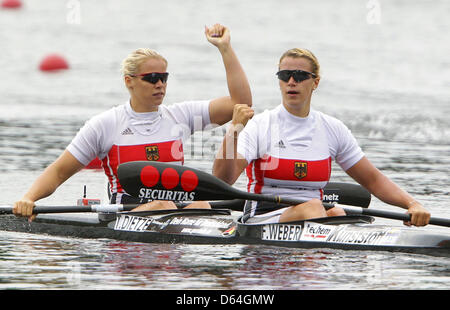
[222, 227]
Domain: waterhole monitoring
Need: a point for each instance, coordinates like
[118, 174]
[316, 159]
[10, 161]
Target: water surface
[386, 78]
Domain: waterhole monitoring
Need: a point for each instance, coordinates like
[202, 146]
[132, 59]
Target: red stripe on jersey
[255, 177]
[250, 176]
[287, 170]
[169, 151]
[297, 170]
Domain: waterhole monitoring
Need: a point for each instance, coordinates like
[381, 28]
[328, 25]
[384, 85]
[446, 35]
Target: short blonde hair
[303, 53]
[130, 65]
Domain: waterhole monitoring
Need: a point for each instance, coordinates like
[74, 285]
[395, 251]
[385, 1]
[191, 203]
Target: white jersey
[291, 156]
[121, 135]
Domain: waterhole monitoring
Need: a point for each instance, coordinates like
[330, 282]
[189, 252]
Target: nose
[291, 80]
[159, 83]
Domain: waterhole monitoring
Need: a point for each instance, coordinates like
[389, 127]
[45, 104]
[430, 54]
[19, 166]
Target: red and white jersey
[292, 156]
[121, 135]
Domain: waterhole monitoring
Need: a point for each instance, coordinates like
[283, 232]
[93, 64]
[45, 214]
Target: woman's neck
[298, 110]
[140, 107]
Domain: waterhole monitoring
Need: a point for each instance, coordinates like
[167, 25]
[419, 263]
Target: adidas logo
[281, 145]
[127, 132]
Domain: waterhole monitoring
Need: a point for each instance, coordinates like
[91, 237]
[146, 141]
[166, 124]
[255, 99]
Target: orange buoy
[11, 4]
[53, 62]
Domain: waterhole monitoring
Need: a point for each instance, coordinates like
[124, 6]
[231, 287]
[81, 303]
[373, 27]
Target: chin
[295, 103]
[156, 102]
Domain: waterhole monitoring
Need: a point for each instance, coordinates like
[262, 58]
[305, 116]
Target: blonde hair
[130, 65]
[303, 53]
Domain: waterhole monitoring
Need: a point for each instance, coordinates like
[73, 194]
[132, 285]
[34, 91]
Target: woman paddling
[143, 128]
[288, 151]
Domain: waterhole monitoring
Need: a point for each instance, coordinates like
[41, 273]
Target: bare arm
[221, 109]
[229, 164]
[52, 177]
[366, 174]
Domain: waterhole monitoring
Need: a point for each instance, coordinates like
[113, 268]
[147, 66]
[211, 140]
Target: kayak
[223, 226]
[223, 223]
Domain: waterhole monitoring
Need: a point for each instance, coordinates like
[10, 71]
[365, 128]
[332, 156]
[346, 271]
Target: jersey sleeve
[83, 145]
[344, 146]
[349, 154]
[247, 145]
[255, 139]
[90, 141]
[194, 114]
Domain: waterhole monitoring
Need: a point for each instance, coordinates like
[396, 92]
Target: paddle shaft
[348, 209]
[218, 204]
[393, 215]
[236, 205]
[278, 199]
[7, 209]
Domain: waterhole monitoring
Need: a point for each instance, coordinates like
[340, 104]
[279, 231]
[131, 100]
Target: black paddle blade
[346, 194]
[164, 181]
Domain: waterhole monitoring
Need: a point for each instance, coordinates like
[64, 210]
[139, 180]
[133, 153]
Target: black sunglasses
[298, 75]
[153, 77]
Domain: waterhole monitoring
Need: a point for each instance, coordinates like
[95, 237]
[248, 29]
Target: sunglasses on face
[153, 77]
[298, 75]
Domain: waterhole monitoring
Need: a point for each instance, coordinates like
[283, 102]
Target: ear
[128, 81]
[316, 82]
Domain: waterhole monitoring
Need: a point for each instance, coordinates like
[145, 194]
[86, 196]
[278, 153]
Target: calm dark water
[387, 83]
